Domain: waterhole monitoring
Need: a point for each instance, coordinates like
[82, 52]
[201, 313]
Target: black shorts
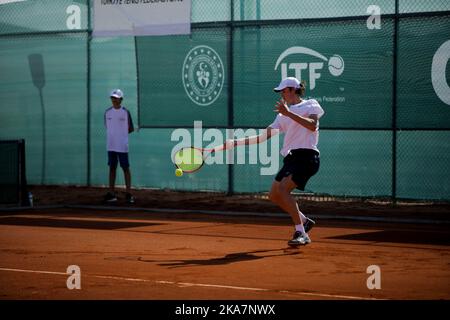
[115, 157]
[302, 164]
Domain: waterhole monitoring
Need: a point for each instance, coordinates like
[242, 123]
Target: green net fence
[379, 71]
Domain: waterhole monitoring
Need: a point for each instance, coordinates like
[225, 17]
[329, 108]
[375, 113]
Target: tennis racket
[191, 159]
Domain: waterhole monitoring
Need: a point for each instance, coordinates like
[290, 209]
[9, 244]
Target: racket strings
[189, 159]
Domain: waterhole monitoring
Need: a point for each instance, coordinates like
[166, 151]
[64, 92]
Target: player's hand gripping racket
[191, 159]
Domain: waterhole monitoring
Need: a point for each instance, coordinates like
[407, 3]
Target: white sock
[302, 217]
[299, 227]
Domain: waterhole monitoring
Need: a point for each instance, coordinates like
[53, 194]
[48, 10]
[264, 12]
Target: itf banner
[141, 17]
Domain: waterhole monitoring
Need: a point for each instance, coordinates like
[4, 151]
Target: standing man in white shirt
[118, 125]
[299, 120]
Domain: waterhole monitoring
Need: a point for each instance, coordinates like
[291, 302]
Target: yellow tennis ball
[178, 172]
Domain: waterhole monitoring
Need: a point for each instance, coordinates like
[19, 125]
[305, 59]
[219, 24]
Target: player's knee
[283, 188]
[286, 186]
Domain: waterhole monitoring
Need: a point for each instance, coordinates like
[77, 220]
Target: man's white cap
[116, 93]
[289, 82]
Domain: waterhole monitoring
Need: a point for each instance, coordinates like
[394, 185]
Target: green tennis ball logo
[336, 65]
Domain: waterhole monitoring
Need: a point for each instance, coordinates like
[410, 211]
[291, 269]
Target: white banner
[141, 17]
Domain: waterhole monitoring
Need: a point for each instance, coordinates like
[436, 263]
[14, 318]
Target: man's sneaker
[110, 197]
[309, 224]
[299, 239]
[130, 198]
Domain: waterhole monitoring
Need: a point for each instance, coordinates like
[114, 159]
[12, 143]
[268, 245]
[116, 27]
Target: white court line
[33, 271]
[188, 284]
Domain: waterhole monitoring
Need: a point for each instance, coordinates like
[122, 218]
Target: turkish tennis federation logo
[203, 75]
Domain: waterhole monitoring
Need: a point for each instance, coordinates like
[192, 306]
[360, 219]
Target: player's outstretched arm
[231, 143]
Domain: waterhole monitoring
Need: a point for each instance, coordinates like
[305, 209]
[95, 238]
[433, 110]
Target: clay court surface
[125, 254]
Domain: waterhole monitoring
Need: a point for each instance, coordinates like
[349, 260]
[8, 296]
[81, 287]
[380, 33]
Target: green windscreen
[43, 82]
[423, 92]
[347, 70]
[182, 79]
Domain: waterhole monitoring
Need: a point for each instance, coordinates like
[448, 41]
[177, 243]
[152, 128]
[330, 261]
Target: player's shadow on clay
[229, 258]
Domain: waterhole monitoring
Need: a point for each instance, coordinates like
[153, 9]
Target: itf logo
[203, 75]
[335, 65]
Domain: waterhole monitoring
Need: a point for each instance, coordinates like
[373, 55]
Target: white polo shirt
[118, 125]
[296, 135]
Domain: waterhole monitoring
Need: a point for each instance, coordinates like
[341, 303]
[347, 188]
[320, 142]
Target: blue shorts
[301, 164]
[115, 157]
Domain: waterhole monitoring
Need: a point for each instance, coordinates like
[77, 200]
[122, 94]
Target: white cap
[116, 93]
[289, 82]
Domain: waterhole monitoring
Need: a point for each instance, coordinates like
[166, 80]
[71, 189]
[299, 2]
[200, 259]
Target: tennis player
[118, 125]
[298, 119]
